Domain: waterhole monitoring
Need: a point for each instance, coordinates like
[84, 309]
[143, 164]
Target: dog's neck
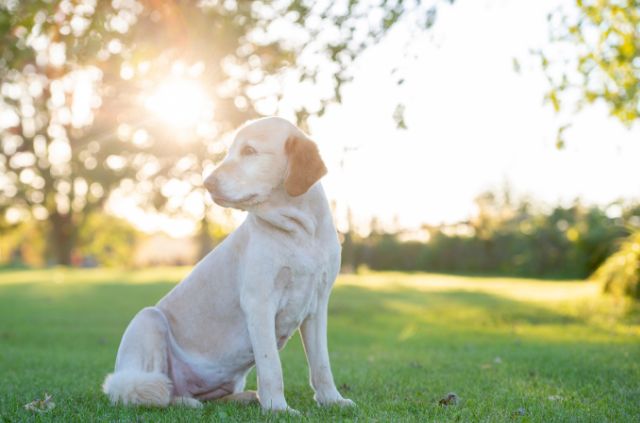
[293, 215]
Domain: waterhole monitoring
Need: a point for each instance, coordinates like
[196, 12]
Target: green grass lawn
[511, 349]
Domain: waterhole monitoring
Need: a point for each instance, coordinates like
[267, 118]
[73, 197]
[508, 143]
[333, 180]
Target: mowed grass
[511, 349]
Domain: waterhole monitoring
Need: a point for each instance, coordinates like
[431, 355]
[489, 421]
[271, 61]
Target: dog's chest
[298, 284]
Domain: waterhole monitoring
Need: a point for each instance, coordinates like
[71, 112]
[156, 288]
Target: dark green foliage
[567, 242]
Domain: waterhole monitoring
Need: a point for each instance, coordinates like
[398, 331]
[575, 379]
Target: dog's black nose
[211, 183]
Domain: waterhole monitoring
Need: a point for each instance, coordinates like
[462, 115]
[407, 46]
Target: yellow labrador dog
[245, 299]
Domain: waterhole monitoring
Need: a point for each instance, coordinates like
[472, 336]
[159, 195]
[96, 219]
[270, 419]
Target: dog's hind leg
[141, 374]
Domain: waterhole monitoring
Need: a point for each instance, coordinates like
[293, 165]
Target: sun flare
[181, 103]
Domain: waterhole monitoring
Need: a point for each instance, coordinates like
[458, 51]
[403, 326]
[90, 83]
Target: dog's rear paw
[292, 411]
[186, 401]
[286, 409]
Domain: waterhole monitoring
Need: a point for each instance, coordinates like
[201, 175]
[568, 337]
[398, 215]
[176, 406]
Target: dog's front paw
[340, 402]
[285, 409]
[345, 402]
[334, 400]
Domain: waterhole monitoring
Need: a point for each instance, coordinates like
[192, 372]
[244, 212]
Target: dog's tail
[133, 387]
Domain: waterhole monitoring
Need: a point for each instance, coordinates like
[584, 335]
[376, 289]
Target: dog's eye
[247, 150]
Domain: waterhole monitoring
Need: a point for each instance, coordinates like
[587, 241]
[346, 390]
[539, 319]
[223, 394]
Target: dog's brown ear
[305, 165]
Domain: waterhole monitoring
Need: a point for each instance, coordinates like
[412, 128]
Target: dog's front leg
[314, 338]
[261, 324]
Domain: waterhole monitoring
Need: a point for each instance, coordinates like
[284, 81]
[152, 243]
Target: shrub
[620, 273]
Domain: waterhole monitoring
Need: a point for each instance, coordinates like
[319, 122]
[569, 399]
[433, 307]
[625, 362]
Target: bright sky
[474, 123]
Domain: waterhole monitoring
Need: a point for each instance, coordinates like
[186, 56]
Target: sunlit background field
[483, 178]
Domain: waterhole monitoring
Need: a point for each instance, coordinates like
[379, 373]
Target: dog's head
[266, 154]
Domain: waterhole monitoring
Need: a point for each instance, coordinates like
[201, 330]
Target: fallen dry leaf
[41, 405]
[520, 412]
[449, 399]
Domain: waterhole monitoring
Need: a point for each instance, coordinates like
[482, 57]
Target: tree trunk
[205, 242]
[62, 237]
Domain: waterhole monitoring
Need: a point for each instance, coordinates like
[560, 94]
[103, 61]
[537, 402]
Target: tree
[603, 40]
[620, 274]
[595, 57]
[75, 76]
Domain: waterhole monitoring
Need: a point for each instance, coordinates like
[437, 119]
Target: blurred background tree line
[505, 237]
[79, 79]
